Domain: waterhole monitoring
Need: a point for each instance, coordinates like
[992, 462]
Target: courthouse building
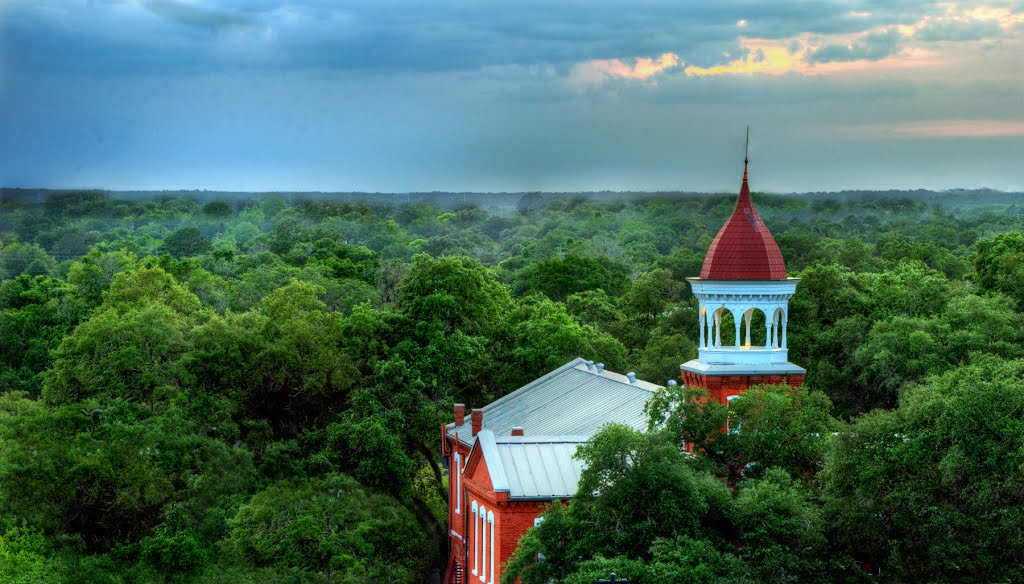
[510, 458]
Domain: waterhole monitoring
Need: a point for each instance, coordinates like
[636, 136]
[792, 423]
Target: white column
[747, 317]
[711, 330]
[737, 321]
[701, 318]
[768, 332]
[776, 323]
[718, 329]
[785, 317]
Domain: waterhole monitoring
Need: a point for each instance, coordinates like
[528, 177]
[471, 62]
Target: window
[458, 484]
[490, 522]
[476, 541]
[536, 522]
[732, 424]
[483, 544]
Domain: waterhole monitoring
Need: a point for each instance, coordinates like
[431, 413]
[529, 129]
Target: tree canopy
[212, 388]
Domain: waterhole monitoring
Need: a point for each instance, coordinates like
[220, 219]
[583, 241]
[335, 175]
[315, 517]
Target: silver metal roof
[570, 401]
[541, 470]
[532, 467]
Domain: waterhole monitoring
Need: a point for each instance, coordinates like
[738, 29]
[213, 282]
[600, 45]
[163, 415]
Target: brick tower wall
[721, 387]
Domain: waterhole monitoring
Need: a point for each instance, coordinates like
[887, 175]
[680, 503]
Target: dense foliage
[238, 390]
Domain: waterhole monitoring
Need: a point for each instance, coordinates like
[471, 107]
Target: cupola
[743, 280]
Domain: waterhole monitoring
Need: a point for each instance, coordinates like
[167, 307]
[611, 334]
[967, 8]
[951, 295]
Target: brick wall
[721, 387]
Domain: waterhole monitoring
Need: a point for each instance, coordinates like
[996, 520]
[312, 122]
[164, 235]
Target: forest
[239, 388]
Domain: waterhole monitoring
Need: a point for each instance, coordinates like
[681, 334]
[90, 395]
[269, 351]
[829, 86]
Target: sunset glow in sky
[405, 95]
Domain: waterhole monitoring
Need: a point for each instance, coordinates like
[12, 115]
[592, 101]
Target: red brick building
[509, 459]
[514, 456]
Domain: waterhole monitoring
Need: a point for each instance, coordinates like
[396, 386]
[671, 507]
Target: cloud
[762, 57]
[959, 129]
[599, 70]
[870, 47]
[196, 16]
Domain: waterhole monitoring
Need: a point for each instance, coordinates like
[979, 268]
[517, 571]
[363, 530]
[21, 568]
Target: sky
[511, 95]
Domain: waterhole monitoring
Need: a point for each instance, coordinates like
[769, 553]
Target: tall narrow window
[458, 484]
[490, 522]
[537, 521]
[483, 543]
[476, 541]
[732, 424]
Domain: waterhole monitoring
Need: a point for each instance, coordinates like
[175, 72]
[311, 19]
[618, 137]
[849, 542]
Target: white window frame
[458, 484]
[476, 540]
[483, 543]
[490, 521]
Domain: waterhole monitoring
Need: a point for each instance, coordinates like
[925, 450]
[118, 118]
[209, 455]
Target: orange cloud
[763, 58]
[892, 47]
[599, 70]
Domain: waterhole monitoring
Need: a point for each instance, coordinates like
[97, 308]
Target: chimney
[517, 431]
[672, 383]
[600, 368]
[590, 365]
[478, 420]
[460, 414]
[632, 376]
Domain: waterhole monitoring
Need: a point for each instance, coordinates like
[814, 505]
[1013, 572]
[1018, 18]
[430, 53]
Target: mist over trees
[202, 388]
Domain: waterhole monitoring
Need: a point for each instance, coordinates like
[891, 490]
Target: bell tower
[743, 280]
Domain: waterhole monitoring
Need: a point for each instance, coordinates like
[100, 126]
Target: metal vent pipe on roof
[600, 367]
[632, 376]
[590, 365]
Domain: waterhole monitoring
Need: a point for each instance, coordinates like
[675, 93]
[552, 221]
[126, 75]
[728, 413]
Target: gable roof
[531, 467]
[569, 401]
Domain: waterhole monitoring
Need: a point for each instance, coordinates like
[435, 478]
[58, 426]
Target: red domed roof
[744, 249]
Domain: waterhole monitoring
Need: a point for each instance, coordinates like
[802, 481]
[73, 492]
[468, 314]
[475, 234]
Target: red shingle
[744, 249]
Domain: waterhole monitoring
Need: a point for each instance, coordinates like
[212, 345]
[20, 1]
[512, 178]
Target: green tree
[999, 265]
[543, 337]
[22, 258]
[92, 274]
[330, 528]
[780, 529]
[635, 489]
[186, 242]
[559, 278]
[933, 489]
[766, 426]
[129, 354]
[25, 557]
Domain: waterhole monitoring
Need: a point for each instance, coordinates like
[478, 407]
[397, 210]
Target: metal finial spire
[746, 149]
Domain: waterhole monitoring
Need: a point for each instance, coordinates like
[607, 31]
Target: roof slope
[532, 467]
[744, 249]
[570, 401]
